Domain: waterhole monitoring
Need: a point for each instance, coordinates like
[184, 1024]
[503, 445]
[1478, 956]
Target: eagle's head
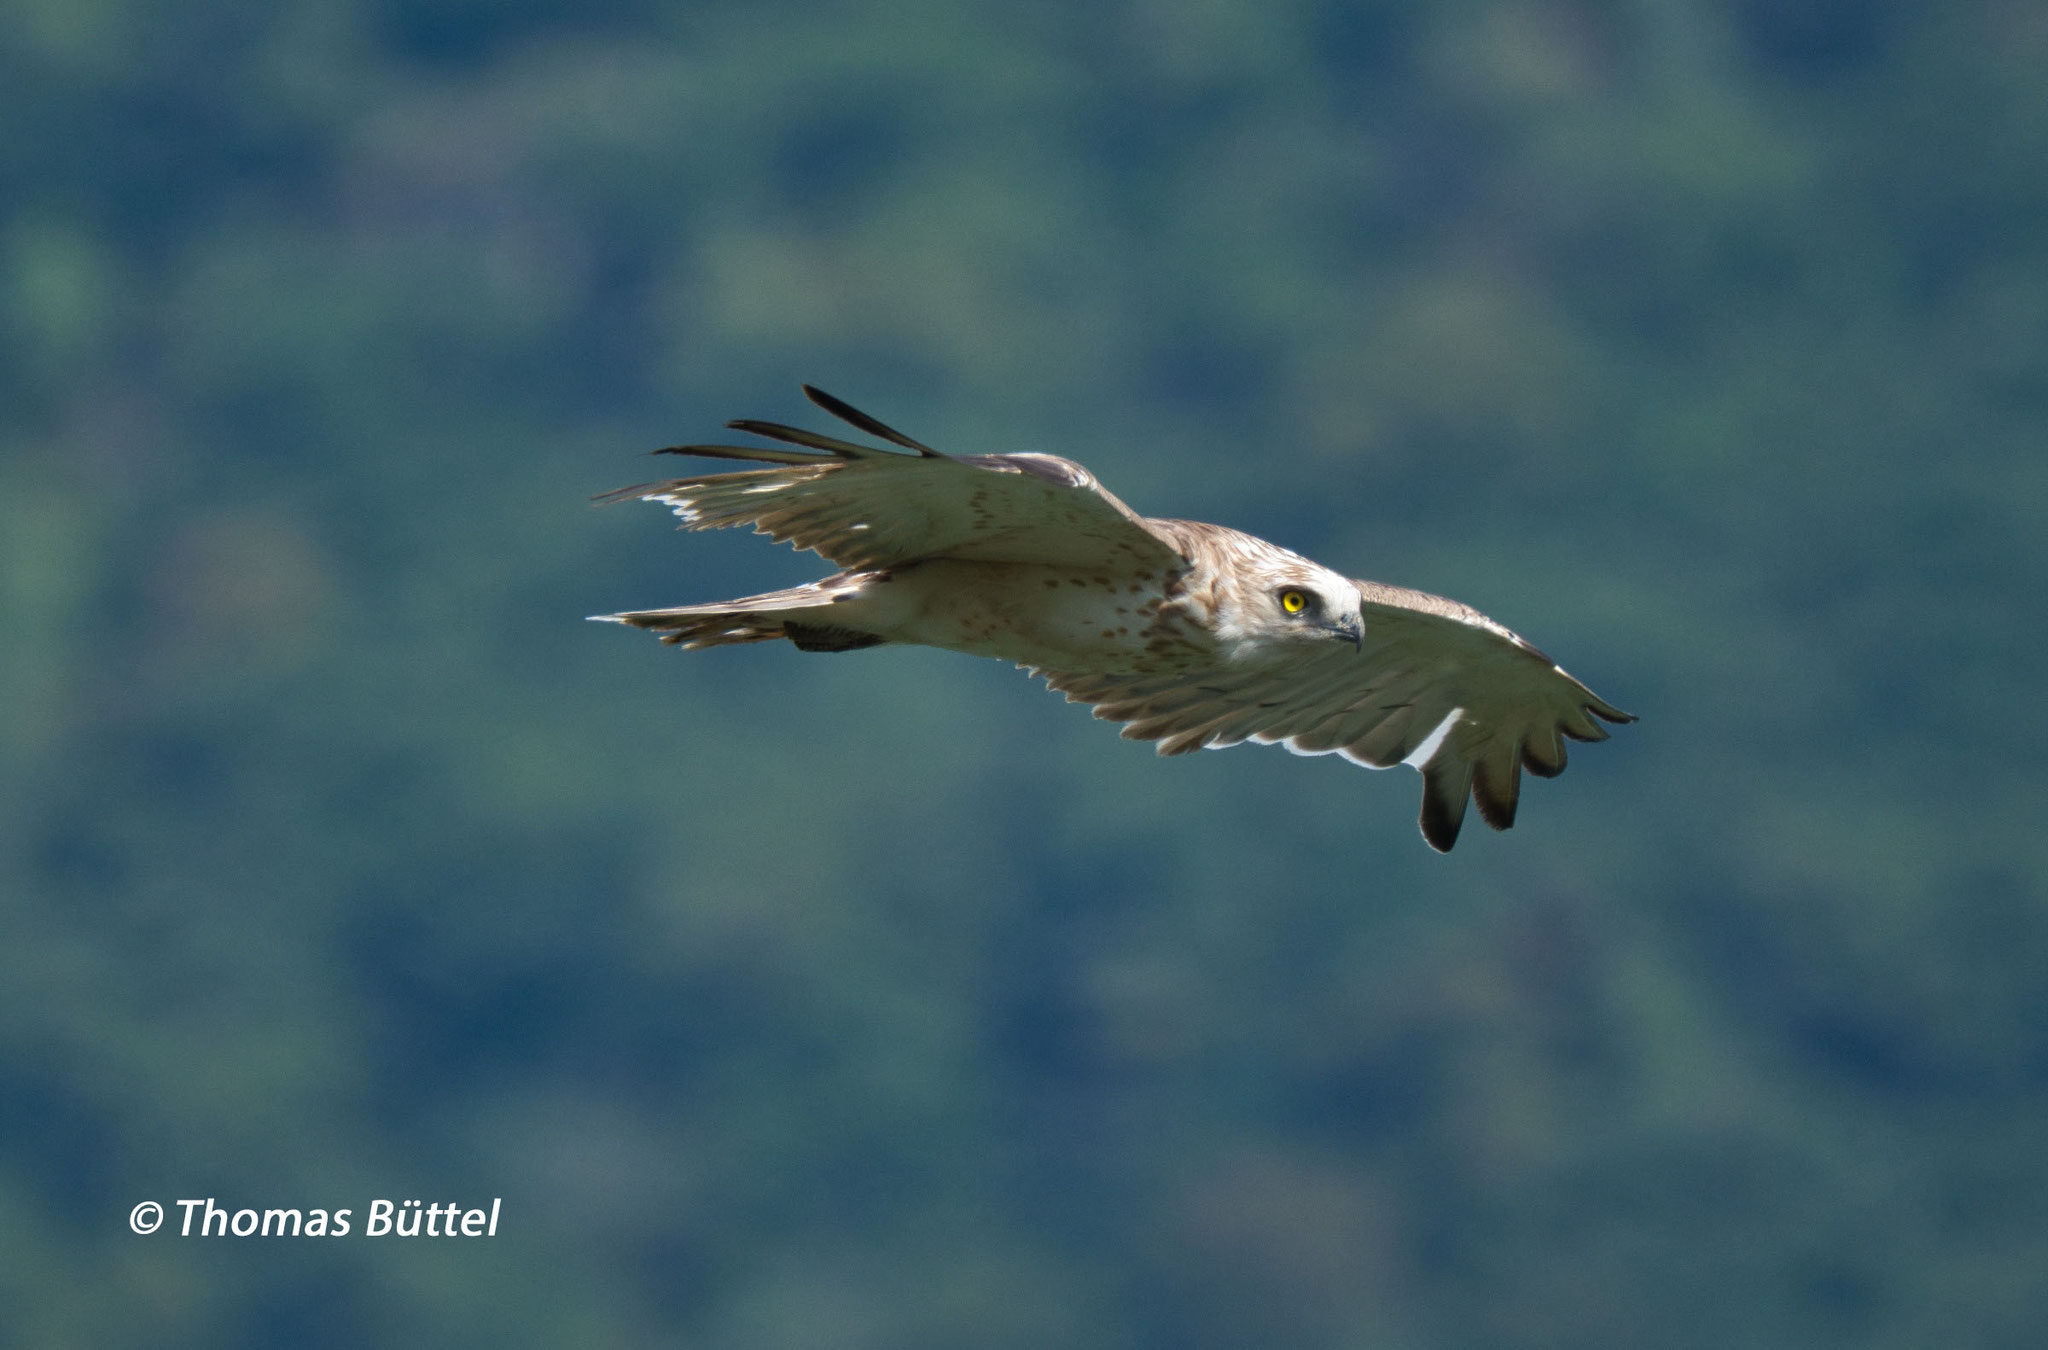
[1276, 601]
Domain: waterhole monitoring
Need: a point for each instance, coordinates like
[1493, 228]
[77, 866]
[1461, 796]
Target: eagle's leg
[825, 637]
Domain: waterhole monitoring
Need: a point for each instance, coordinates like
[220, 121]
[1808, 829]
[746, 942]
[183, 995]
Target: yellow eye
[1293, 601]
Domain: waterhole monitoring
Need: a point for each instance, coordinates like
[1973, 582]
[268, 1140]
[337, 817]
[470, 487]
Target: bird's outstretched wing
[862, 507]
[1435, 684]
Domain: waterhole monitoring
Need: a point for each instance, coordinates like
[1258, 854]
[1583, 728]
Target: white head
[1272, 598]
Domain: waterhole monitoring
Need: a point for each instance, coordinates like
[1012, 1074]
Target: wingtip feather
[873, 426]
[1444, 794]
[1497, 790]
[1543, 754]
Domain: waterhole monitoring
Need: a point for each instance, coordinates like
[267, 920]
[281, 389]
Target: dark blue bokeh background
[880, 1000]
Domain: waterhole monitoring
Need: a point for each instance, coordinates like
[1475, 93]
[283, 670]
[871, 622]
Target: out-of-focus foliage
[879, 1000]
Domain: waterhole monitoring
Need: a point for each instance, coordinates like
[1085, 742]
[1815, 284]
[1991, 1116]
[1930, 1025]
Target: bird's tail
[802, 614]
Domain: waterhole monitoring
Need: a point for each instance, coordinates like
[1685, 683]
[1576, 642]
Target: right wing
[1435, 685]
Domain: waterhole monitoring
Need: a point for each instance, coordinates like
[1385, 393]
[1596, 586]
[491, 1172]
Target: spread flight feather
[1192, 635]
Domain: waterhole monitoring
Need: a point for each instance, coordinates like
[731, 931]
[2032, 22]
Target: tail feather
[795, 614]
[690, 626]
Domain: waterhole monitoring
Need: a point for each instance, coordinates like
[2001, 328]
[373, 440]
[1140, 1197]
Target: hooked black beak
[1352, 629]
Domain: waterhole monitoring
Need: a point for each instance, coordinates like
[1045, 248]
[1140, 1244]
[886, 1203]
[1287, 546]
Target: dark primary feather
[776, 431]
[1445, 789]
[831, 445]
[873, 426]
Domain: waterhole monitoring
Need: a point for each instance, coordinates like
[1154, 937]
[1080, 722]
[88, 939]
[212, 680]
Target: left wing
[862, 507]
[1436, 685]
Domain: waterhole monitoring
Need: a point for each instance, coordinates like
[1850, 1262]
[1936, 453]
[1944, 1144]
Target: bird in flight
[1192, 635]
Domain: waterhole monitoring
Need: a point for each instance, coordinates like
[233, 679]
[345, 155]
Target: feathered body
[1193, 634]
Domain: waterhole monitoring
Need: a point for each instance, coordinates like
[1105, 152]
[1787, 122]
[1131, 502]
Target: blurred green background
[882, 1000]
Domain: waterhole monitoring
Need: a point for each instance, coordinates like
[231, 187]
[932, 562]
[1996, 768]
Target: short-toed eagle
[1192, 635]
